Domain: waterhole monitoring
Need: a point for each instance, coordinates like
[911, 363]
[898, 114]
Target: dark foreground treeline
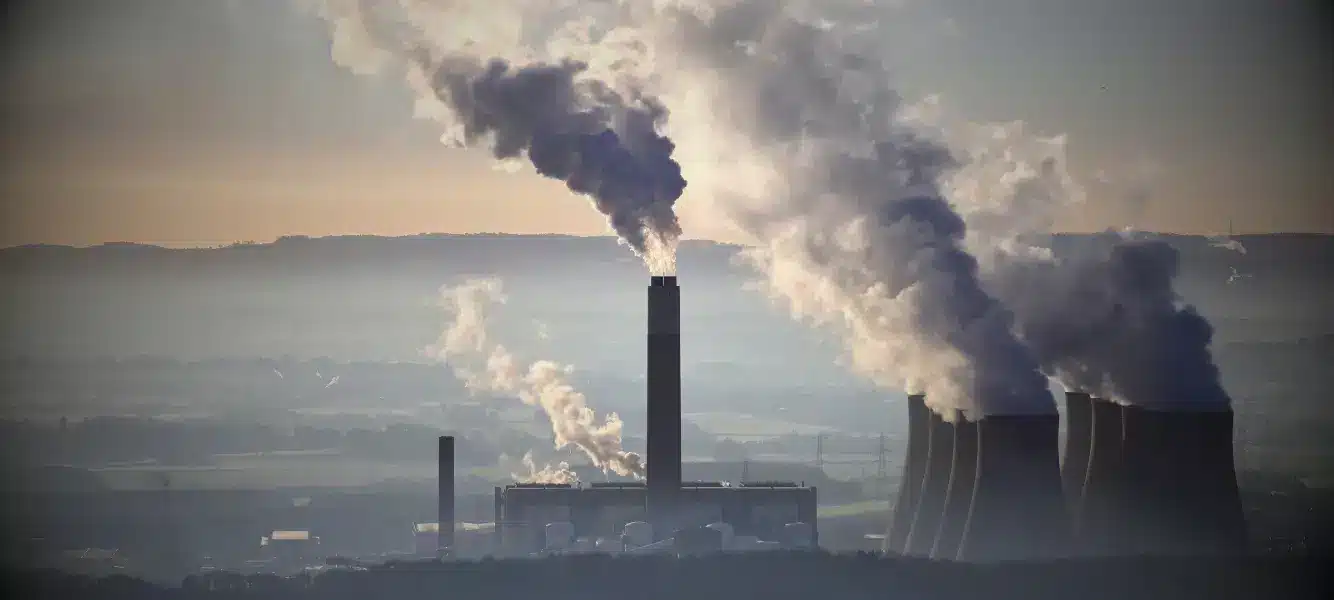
[807, 576]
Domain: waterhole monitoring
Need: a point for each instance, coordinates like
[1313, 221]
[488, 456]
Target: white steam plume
[823, 113]
[851, 225]
[1106, 319]
[558, 473]
[889, 222]
[789, 126]
[485, 365]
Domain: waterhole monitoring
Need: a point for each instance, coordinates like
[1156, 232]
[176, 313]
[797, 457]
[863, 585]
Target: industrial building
[1133, 481]
[662, 512]
[773, 512]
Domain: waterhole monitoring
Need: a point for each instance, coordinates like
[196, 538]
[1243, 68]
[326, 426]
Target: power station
[663, 512]
[1132, 481]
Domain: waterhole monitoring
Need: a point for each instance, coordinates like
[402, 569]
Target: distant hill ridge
[489, 251]
[288, 240]
[293, 240]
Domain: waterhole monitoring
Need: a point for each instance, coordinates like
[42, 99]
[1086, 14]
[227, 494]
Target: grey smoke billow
[598, 142]
[1110, 321]
[791, 130]
[860, 235]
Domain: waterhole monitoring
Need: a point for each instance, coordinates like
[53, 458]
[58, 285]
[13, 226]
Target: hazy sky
[210, 121]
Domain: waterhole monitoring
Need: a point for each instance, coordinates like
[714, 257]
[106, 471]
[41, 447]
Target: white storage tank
[798, 535]
[637, 533]
[559, 535]
[725, 530]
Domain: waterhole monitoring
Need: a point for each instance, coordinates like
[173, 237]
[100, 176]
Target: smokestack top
[664, 307]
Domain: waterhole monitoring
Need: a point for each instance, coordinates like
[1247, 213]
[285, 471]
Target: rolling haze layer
[376, 299]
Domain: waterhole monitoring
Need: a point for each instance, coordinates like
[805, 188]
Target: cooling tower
[664, 401]
[1078, 443]
[959, 493]
[914, 468]
[1182, 482]
[935, 485]
[1101, 514]
[1018, 511]
[445, 493]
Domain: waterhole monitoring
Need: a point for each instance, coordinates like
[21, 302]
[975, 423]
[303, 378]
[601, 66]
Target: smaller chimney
[445, 494]
[914, 469]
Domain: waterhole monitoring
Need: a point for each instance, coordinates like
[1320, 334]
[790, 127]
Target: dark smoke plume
[599, 143]
[1112, 323]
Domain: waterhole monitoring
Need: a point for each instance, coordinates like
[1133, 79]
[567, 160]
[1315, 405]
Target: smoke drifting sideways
[560, 473]
[865, 227]
[852, 228]
[487, 366]
[1106, 318]
[602, 142]
[1109, 322]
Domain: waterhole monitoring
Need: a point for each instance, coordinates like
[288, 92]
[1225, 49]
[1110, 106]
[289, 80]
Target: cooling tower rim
[1173, 407]
[955, 415]
[1018, 418]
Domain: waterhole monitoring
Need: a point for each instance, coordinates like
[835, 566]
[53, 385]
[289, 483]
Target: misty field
[261, 472]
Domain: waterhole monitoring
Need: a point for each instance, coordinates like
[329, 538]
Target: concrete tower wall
[1182, 482]
[959, 493]
[914, 469]
[935, 486]
[1103, 511]
[1018, 510]
[1078, 447]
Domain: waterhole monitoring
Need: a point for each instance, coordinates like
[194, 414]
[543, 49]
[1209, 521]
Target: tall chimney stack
[914, 470]
[445, 494]
[664, 402]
